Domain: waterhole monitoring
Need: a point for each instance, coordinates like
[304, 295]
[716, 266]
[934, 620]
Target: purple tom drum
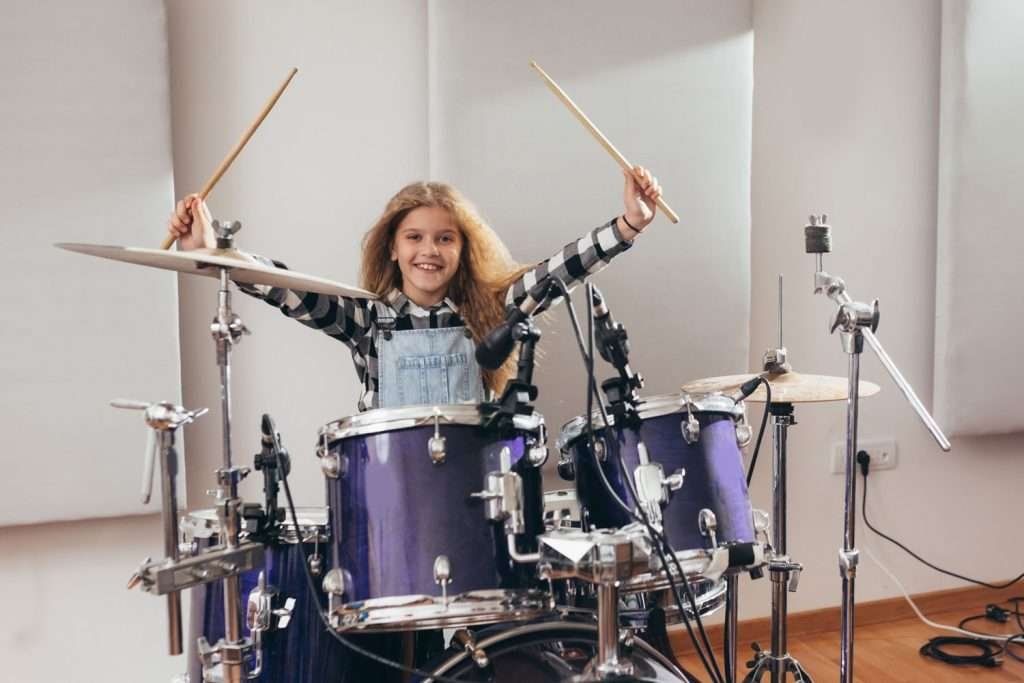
[700, 435]
[417, 545]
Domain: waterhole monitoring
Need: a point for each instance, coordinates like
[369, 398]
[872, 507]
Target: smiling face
[427, 246]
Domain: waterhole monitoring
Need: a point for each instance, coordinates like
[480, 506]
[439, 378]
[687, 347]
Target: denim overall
[426, 367]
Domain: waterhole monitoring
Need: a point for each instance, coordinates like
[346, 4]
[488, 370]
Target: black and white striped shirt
[354, 321]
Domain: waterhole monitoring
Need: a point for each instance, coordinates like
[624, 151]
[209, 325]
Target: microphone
[499, 342]
[613, 342]
[745, 389]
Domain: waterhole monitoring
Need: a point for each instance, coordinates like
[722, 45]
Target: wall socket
[883, 454]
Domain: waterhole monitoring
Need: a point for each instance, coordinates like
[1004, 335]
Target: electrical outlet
[883, 454]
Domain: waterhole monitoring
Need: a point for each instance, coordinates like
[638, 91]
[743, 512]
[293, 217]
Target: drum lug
[690, 427]
[566, 467]
[464, 639]
[744, 434]
[336, 584]
[443, 575]
[537, 448]
[436, 444]
[708, 525]
[331, 465]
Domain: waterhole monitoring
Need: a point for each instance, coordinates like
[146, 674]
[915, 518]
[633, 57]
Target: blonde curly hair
[486, 268]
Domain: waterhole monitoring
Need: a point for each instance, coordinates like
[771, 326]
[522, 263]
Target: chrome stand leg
[848, 555]
[731, 639]
[784, 574]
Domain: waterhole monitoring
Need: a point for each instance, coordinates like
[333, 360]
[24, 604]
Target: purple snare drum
[299, 652]
[700, 435]
[409, 494]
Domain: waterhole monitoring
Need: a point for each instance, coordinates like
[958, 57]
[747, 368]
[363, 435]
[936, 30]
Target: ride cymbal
[787, 387]
[244, 267]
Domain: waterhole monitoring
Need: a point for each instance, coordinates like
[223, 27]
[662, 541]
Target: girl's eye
[411, 236]
[447, 239]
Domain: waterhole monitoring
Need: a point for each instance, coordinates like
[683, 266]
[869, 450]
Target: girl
[443, 279]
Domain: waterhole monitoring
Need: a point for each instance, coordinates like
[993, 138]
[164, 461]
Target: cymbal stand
[856, 322]
[227, 330]
[784, 573]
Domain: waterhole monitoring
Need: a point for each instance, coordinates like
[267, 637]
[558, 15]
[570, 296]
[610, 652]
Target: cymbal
[244, 267]
[787, 387]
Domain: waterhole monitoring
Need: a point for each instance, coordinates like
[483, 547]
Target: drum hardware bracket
[261, 615]
[520, 391]
[225, 656]
[163, 577]
[163, 420]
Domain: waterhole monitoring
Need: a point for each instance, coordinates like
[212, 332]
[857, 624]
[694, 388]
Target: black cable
[323, 615]
[987, 651]
[1014, 640]
[760, 431]
[865, 464]
[658, 539]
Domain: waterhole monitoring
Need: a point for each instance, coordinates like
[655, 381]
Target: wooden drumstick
[598, 135]
[224, 165]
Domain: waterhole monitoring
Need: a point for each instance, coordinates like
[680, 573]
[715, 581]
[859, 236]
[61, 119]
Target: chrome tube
[169, 494]
[848, 555]
[731, 638]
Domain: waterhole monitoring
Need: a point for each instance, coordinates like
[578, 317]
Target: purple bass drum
[301, 651]
[547, 651]
[416, 545]
[700, 435]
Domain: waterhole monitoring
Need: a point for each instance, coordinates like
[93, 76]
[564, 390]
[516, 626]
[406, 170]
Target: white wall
[69, 616]
[81, 161]
[846, 122]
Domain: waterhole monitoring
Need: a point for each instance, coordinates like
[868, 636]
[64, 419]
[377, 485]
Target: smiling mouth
[429, 267]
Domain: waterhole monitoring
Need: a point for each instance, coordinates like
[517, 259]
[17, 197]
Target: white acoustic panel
[84, 157]
[979, 301]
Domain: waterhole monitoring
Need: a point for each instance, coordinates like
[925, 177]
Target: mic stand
[856, 322]
[519, 392]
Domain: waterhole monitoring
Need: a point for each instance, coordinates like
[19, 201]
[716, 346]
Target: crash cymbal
[244, 267]
[787, 387]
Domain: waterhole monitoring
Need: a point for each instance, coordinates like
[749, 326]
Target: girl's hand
[638, 197]
[190, 224]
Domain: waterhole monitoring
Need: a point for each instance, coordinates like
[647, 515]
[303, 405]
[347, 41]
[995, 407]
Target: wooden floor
[883, 652]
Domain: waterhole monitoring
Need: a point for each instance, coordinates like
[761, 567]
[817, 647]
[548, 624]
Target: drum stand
[785, 574]
[856, 322]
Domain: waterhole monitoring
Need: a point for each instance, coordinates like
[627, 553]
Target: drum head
[391, 419]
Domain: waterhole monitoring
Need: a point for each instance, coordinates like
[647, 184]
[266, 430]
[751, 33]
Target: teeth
[427, 266]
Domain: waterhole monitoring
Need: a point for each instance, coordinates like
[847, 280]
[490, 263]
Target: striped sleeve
[343, 318]
[575, 262]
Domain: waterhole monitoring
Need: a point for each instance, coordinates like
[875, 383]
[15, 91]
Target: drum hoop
[392, 419]
[656, 406]
[203, 523]
[542, 627]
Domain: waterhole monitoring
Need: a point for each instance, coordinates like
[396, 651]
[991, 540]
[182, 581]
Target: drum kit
[439, 556]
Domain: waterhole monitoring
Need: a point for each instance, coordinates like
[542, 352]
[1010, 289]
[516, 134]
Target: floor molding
[827, 619]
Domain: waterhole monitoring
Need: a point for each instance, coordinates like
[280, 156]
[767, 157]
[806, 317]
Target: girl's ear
[394, 254]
